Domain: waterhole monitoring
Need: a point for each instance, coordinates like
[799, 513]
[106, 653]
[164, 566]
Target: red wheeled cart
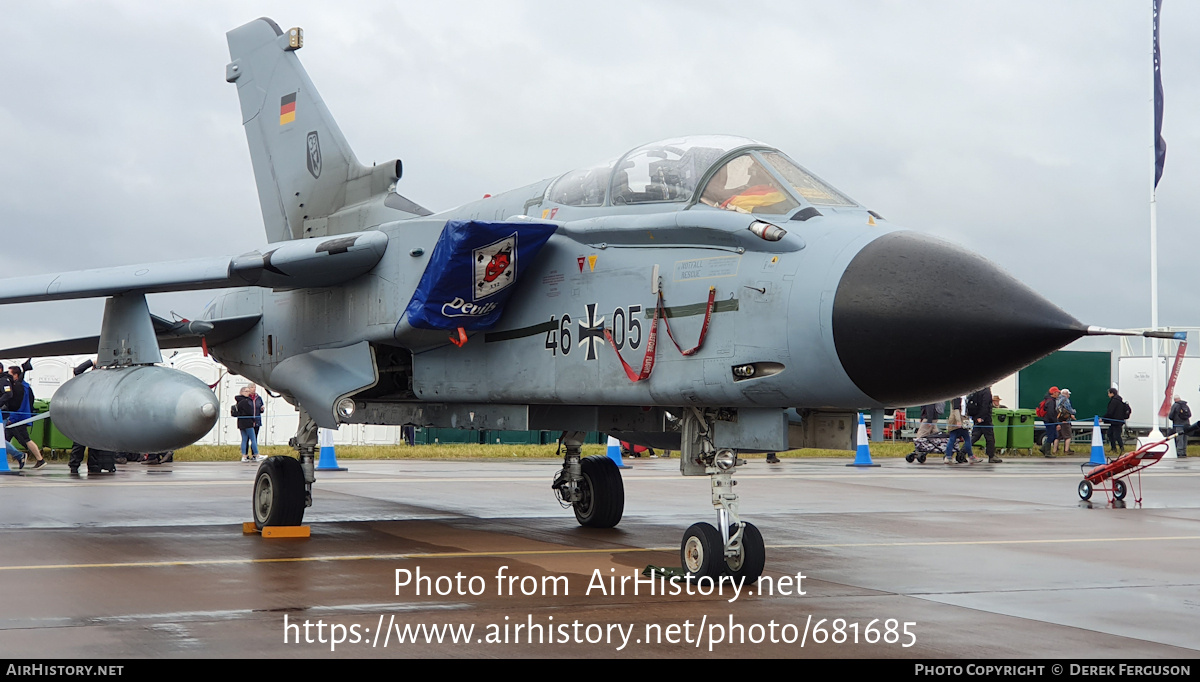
[1118, 469]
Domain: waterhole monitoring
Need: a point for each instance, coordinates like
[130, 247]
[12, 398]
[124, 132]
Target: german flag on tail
[287, 109]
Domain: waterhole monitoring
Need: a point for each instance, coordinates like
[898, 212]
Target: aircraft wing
[316, 262]
[169, 334]
[206, 273]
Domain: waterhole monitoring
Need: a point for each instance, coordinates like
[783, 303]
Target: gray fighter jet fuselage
[686, 294]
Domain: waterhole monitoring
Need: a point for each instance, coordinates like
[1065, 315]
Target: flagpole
[1155, 173]
[1154, 433]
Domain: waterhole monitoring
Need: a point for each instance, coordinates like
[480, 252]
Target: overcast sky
[1021, 130]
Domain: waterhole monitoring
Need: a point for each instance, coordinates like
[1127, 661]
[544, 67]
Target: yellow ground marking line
[560, 552]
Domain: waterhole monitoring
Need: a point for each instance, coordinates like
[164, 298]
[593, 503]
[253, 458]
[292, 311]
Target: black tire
[602, 493]
[910, 457]
[701, 553]
[750, 563]
[921, 457]
[1120, 489]
[1085, 490]
[278, 493]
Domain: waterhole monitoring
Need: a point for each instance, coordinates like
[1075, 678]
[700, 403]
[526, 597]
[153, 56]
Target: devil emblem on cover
[495, 266]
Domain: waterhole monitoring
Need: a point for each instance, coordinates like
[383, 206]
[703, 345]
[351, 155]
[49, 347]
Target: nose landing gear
[737, 548]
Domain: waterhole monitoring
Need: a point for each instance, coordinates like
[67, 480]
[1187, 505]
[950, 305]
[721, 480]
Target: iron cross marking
[591, 333]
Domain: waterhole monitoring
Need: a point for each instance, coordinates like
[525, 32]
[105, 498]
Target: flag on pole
[1160, 145]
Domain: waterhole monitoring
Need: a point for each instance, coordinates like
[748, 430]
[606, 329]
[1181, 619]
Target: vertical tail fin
[303, 165]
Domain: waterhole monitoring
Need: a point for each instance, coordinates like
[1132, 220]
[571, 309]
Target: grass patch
[231, 453]
[884, 449]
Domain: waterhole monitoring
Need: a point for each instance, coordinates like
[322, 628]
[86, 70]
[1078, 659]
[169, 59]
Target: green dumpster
[551, 437]
[1022, 423]
[1001, 422]
[55, 440]
[512, 437]
[48, 437]
[452, 436]
[37, 429]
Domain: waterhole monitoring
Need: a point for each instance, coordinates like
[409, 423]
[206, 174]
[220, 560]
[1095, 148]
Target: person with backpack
[19, 406]
[1181, 420]
[1048, 411]
[979, 409]
[1066, 414]
[1116, 415]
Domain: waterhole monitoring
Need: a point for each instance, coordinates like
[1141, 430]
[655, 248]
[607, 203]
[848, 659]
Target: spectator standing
[19, 406]
[958, 428]
[96, 459]
[1115, 415]
[261, 408]
[928, 421]
[979, 409]
[1181, 418]
[1066, 414]
[1048, 411]
[248, 410]
[5, 394]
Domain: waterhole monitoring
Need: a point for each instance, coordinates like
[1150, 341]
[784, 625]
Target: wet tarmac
[900, 561]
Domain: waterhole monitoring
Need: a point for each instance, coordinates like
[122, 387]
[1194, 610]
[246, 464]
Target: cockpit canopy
[735, 174]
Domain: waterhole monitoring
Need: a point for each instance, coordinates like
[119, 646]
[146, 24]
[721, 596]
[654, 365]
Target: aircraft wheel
[602, 499]
[278, 493]
[702, 552]
[749, 564]
[1085, 490]
[1119, 489]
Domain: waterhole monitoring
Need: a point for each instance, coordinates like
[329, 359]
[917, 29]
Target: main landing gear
[591, 486]
[283, 485]
[734, 547]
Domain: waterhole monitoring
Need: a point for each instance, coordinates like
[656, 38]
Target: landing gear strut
[283, 485]
[591, 486]
[734, 547]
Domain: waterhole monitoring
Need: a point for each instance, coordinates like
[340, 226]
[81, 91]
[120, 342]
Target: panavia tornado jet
[690, 294]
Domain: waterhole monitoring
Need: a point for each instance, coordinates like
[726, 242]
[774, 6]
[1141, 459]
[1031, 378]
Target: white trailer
[1134, 379]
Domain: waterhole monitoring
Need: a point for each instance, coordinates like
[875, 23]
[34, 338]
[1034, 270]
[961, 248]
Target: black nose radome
[916, 320]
